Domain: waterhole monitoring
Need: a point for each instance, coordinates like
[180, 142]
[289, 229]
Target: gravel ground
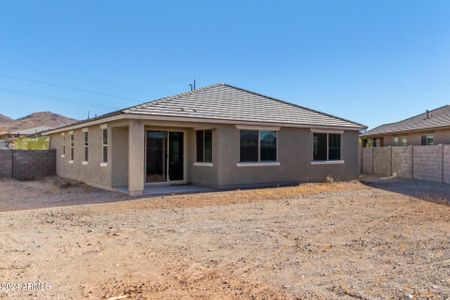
[50, 192]
[313, 241]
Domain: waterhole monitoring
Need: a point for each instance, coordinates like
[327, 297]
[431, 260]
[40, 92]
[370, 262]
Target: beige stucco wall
[295, 153]
[203, 175]
[119, 158]
[91, 172]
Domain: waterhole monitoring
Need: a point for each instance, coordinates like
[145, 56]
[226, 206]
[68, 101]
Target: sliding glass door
[165, 156]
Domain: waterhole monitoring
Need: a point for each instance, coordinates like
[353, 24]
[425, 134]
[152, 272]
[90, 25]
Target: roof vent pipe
[428, 114]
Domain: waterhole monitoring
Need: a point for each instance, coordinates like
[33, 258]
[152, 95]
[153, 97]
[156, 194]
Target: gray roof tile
[439, 117]
[226, 102]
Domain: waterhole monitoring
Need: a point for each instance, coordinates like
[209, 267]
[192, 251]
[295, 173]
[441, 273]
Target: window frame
[63, 148]
[396, 140]
[404, 140]
[427, 139]
[105, 146]
[328, 160]
[85, 146]
[203, 161]
[259, 161]
[72, 147]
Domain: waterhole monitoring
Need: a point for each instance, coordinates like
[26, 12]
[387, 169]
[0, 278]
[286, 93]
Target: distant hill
[5, 119]
[37, 119]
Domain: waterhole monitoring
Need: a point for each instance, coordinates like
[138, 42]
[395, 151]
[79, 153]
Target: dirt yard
[314, 241]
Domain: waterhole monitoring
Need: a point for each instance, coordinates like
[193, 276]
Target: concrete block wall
[27, 164]
[382, 161]
[402, 165]
[430, 163]
[446, 169]
[367, 160]
[427, 162]
[5, 163]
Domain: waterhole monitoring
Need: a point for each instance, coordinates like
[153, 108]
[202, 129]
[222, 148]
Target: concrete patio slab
[162, 190]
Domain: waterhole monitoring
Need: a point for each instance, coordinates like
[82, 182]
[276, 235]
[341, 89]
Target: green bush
[38, 143]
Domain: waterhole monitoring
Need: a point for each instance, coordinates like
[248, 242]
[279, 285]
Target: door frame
[167, 182]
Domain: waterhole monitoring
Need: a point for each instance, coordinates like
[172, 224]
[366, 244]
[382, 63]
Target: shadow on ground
[424, 190]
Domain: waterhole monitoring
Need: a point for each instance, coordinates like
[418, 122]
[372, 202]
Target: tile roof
[225, 102]
[439, 117]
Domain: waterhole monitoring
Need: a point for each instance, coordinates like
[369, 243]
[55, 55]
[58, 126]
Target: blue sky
[369, 61]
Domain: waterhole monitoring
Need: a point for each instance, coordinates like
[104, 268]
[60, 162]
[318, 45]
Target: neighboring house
[219, 136]
[429, 128]
[29, 132]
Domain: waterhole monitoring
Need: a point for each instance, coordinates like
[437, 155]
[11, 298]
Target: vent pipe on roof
[428, 114]
[192, 86]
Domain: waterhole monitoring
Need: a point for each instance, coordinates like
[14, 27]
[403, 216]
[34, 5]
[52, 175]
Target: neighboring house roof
[439, 117]
[223, 102]
[30, 131]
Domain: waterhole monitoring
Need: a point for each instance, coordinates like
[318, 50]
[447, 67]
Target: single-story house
[217, 136]
[428, 128]
[21, 133]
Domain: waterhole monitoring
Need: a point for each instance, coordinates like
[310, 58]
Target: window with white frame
[427, 139]
[63, 150]
[86, 145]
[326, 146]
[72, 147]
[258, 146]
[105, 145]
[204, 145]
[395, 141]
[404, 140]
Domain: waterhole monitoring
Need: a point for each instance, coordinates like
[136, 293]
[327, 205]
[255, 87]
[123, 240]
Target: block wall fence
[27, 164]
[430, 163]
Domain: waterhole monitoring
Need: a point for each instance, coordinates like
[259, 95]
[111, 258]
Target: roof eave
[121, 116]
[389, 133]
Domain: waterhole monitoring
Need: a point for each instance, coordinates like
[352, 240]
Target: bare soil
[313, 241]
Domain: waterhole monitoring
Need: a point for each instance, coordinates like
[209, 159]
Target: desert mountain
[37, 119]
[4, 119]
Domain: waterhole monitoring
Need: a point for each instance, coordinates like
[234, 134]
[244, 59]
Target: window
[326, 146]
[395, 141]
[72, 144]
[105, 145]
[268, 145]
[63, 150]
[86, 146]
[427, 139]
[404, 140]
[378, 142]
[204, 145]
[258, 146]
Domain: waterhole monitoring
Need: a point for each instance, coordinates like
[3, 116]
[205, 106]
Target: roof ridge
[293, 104]
[175, 96]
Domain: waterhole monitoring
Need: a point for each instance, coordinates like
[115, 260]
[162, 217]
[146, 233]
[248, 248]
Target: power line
[64, 87]
[55, 99]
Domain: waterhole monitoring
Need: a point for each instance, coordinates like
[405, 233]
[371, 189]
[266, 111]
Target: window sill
[103, 164]
[327, 162]
[203, 164]
[84, 163]
[70, 161]
[258, 164]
